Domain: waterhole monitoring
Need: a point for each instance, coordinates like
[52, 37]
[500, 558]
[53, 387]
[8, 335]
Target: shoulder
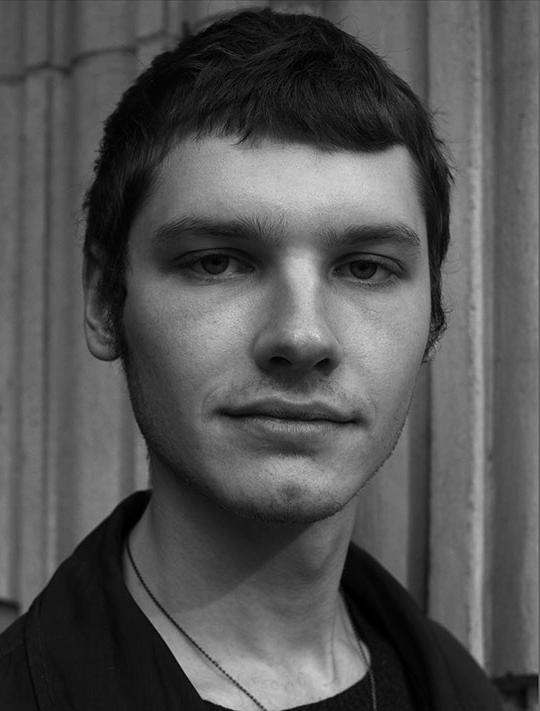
[469, 679]
[16, 688]
[433, 658]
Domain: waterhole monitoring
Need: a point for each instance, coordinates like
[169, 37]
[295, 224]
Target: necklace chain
[216, 663]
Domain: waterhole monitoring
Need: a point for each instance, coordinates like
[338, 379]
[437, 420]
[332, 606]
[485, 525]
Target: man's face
[276, 317]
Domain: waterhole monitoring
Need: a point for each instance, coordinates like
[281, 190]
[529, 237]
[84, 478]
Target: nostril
[326, 365]
[279, 361]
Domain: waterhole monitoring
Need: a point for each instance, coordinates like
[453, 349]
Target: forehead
[298, 185]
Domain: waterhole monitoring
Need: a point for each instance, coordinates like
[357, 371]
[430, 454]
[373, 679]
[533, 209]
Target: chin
[292, 514]
[292, 504]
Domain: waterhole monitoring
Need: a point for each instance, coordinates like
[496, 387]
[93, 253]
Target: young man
[265, 234]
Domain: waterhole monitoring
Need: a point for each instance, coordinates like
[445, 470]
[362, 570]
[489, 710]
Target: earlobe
[99, 337]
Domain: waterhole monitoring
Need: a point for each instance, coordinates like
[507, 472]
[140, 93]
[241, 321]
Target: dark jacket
[84, 645]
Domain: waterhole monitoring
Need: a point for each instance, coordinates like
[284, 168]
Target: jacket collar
[91, 648]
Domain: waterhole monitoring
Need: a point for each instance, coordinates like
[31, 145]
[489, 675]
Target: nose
[296, 335]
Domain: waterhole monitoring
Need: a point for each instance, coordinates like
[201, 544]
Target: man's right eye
[216, 264]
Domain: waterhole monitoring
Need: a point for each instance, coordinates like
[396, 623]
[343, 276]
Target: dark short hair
[259, 74]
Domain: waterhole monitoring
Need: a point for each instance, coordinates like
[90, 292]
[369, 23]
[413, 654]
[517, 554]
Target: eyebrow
[261, 229]
[385, 232]
[272, 232]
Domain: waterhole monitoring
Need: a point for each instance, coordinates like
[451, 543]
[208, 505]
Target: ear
[99, 339]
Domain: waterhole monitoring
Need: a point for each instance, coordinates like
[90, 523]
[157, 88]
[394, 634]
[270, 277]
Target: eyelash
[189, 264]
[392, 272]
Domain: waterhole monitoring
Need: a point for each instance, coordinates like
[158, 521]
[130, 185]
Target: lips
[314, 411]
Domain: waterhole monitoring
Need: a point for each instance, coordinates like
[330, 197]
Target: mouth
[309, 413]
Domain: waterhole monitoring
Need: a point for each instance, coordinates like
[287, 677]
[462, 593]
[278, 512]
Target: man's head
[291, 78]
[265, 235]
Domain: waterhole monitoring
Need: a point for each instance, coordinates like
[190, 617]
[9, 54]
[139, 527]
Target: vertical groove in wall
[32, 329]
[32, 302]
[49, 474]
[458, 451]
[476, 326]
[515, 451]
[10, 143]
[62, 248]
[488, 168]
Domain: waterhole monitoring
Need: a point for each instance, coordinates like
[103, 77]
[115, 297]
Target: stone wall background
[454, 513]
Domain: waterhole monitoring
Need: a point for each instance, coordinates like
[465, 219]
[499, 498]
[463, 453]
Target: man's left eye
[365, 270]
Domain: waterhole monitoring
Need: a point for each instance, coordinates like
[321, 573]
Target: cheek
[391, 349]
[178, 341]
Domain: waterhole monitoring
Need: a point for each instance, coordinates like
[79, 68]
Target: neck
[276, 585]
